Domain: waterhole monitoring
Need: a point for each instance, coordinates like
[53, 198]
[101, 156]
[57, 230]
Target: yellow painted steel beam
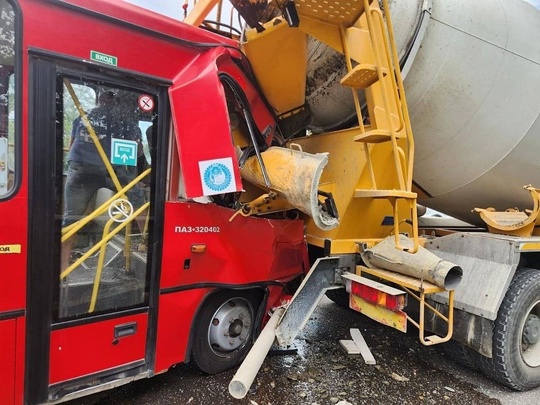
[199, 12]
[278, 57]
[529, 246]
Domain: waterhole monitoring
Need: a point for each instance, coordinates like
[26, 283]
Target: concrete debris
[349, 346]
[398, 377]
[362, 345]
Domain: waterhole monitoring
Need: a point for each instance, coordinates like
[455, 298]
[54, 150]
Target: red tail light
[377, 297]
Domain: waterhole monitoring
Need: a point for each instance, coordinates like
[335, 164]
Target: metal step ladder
[359, 31]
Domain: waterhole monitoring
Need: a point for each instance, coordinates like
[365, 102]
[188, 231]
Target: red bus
[119, 268]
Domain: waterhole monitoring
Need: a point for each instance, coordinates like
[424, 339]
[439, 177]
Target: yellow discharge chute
[294, 177]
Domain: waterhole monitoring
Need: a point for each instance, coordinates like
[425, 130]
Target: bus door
[13, 212]
[92, 222]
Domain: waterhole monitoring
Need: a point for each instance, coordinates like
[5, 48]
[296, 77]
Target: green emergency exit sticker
[103, 58]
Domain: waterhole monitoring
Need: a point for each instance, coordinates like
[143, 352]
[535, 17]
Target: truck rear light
[376, 293]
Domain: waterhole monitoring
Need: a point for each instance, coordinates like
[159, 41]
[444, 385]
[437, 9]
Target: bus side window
[7, 99]
[7, 134]
[4, 172]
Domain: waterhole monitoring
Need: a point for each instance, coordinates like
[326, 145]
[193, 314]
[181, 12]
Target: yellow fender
[512, 221]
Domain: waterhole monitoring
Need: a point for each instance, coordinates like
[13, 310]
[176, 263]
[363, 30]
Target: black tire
[224, 330]
[461, 354]
[339, 296]
[516, 335]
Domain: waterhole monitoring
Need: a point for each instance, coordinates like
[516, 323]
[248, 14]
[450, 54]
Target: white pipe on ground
[246, 373]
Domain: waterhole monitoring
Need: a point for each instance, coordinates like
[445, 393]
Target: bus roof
[134, 15]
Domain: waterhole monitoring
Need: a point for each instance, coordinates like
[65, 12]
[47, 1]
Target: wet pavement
[322, 373]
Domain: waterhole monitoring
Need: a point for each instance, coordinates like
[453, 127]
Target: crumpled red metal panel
[202, 123]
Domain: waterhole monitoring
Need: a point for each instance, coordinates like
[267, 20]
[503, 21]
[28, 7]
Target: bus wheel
[224, 331]
[516, 335]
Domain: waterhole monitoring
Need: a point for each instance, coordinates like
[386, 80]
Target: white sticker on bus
[217, 176]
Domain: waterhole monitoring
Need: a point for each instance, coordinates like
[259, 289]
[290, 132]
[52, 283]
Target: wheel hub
[236, 328]
[531, 331]
[530, 337]
[230, 326]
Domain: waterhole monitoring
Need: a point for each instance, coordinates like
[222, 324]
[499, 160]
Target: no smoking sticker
[120, 210]
[146, 103]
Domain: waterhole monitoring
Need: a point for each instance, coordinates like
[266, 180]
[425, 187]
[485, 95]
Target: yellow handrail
[92, 133]
[69, 230]
[403, 165]
[403, 98]
[386, 102]
[103, 241]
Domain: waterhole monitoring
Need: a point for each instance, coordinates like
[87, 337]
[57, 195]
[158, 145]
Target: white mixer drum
[473, 88]
[474, 98]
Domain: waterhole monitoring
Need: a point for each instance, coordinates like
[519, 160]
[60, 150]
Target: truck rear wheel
[461, 354]
[224, 331]
[516, 335]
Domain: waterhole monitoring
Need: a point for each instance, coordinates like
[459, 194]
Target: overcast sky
[173, 8]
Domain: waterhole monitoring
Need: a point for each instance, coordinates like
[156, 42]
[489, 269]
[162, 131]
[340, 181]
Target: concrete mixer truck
[464, 77]
[165, 186]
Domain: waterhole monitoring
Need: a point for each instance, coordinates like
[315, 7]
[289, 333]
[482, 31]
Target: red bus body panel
[176, 315]
[201, 120]
[8, 343]
[241, 251]
[81, 350]
[244, 252]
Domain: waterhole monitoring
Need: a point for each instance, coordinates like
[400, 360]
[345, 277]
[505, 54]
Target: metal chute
[294, 177]
[422, 265]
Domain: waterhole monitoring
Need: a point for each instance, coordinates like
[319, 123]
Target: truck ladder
[394, 123]
[358, 30]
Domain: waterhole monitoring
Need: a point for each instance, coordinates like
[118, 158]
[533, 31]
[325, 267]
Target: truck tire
[516, 335]
[224, 330]
[339, 296]
[461, 354]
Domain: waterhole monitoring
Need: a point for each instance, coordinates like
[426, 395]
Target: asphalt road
[320, 372]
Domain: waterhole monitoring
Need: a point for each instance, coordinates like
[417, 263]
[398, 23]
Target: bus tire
[516, 335]
[224, 330]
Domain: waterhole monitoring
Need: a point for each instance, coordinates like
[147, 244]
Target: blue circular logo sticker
[217, 177]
